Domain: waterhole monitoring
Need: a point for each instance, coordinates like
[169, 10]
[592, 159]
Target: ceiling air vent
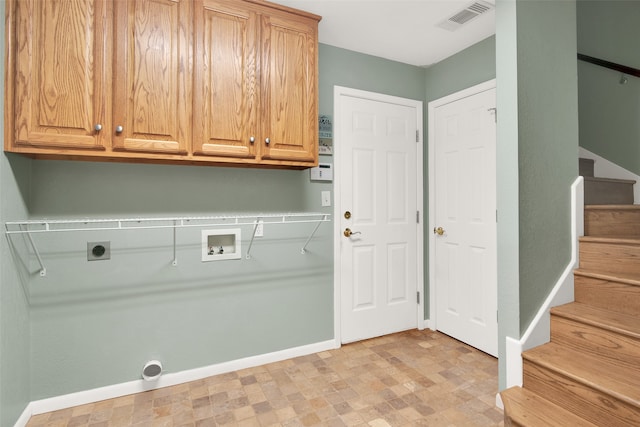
[470, 12]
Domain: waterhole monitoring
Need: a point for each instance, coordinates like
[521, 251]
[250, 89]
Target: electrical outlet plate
[98, 251]
[260, 229]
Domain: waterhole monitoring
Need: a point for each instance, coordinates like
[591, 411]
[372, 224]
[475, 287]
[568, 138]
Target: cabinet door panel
[59, 72]
[289, 89]
[225, 85]
[152, 91]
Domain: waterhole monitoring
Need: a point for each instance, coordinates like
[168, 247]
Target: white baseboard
[514, 363]
[499, 402]
[538, 331]
[24, 417]
[137, 386]
[425, 324]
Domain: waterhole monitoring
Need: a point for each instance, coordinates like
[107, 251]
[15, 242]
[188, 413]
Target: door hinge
[495, 113]
[418, 297]
[417, 135]
[417, 217]
[496, 215]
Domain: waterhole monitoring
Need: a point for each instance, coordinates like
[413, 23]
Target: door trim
[474, 90]
[339, 91]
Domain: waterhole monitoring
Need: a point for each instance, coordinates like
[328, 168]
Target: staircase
[589, 373]
[604, 191]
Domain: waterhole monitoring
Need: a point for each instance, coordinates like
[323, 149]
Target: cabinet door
[289, 88]
[152, 70]
[57, 65]
[225, 82]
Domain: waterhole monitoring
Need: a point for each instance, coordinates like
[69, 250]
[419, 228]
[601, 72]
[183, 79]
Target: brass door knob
[439, 231]
[349, 233]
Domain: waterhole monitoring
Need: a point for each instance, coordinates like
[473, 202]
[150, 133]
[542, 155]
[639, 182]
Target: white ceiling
[400, 30]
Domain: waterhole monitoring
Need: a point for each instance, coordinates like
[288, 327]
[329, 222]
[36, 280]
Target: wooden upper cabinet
[152, 76]
[197, 81]
[56, 68]
[255, 87]
[289, 88]
[225, 80]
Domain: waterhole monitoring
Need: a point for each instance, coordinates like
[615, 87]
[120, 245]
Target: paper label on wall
[325, 126]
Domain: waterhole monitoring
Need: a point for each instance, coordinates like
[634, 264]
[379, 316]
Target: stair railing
[611, 65]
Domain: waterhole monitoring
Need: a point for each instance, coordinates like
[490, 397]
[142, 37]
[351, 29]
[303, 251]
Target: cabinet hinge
[417, 135]
[417, 217]
[418, 297]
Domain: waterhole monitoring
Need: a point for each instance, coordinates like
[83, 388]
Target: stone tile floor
[413, 378]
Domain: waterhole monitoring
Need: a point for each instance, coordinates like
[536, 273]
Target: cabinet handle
[119, 129]
[98, 127]
[252, 139]
[267, 141]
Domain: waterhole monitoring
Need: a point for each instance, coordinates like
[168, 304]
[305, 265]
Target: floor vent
[470, 12]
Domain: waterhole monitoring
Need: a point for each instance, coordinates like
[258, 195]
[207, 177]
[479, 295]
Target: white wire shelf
[97, 224]
[38, 226]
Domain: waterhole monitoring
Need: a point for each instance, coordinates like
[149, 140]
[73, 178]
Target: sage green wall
[474, 65]
[355, 70]
[609, 111]
[96, 323]
[548, 145]
[541, 37]
[15, 350]
[14, 306]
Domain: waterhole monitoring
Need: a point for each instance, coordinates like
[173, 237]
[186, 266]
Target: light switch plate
[326, 198]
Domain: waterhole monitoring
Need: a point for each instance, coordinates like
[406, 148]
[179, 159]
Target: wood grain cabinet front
[289, 89]
[152, 76]
[226, 99]
[58, 68]
[255, 86]
[169, 81]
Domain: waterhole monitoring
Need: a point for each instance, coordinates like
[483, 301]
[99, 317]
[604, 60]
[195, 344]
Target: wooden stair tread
[611, 207]
[526, 408]
[598, 373]
[615, 240]
[627, 278]
[605, 319]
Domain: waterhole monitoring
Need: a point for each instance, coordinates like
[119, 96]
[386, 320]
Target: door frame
[473, 90]
[339, 91]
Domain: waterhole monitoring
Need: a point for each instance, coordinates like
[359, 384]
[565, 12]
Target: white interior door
[465, 243]
[377, 201]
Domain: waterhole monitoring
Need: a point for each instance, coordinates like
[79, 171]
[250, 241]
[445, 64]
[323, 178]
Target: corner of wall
[538, 331]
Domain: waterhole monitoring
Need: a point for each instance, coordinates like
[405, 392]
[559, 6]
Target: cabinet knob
[119, 129]
[98, 127]
[267, 141]
[252, 139]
